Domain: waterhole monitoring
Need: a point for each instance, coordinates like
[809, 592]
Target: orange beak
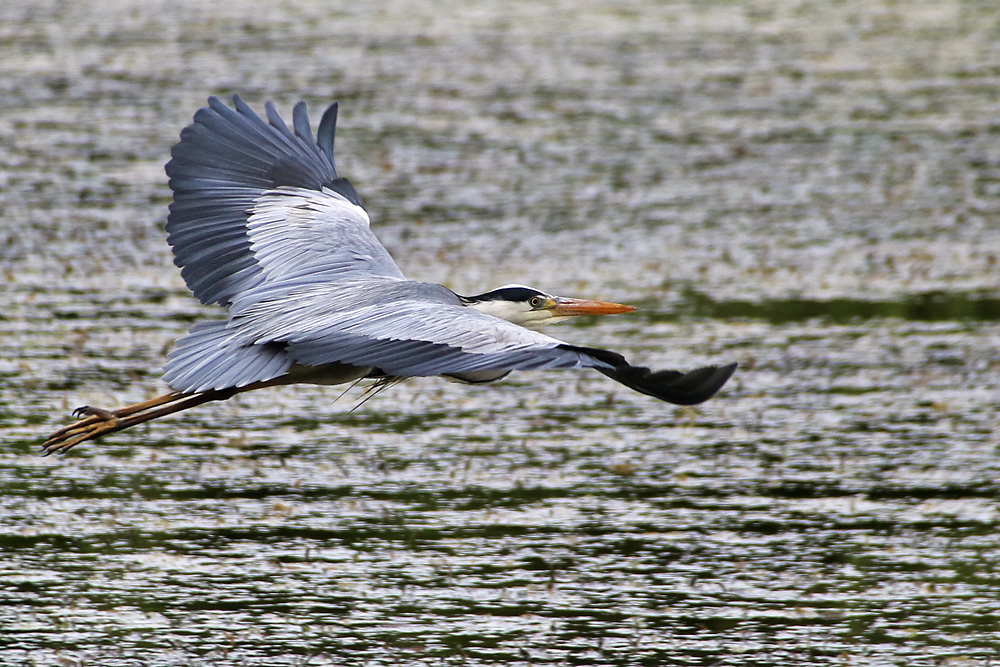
[566, 307]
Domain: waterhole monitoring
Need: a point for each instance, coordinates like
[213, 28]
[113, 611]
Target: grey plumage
[214, 357]
[404, 328]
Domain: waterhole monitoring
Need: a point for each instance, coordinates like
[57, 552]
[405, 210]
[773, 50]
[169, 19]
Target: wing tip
[327, 131]
[690, 388]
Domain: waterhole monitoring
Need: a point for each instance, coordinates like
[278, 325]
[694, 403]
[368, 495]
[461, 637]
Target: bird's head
[532, 308]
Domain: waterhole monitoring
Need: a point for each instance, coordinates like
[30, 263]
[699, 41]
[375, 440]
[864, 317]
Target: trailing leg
[98, 422]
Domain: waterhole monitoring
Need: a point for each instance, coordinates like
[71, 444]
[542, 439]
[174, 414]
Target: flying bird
[262, 225]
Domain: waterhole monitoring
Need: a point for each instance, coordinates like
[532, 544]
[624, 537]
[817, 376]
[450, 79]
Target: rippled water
[810, 191]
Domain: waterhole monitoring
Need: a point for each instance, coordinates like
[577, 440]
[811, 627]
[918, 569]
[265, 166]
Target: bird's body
[263, 226]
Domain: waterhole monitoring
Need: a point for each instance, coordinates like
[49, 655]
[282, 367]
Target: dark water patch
[388, 420]
[361, 536]
[935, 306]
[945, 491]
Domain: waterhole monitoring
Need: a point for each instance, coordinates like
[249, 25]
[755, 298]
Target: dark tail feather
[673, 386]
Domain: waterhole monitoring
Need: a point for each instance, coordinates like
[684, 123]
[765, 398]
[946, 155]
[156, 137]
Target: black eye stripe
[524, 294]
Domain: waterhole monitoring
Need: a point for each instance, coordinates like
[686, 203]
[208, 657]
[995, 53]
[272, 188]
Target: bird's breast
[327, 374]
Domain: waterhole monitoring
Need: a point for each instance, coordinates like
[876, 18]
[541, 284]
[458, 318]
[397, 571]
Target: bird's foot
[95, 422]
[88, 410]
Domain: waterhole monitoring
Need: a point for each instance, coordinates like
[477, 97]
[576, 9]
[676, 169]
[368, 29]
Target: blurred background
[811, 189]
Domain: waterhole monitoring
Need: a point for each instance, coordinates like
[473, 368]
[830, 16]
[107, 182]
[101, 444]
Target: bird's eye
[536, 302]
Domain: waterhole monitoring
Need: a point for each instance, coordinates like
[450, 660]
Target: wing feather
[210, 356]
[326, 132]
[258, 203]
[403, 328]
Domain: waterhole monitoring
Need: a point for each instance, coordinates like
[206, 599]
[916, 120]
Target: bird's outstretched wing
[401, 327]
[407, 329]
[256, 202]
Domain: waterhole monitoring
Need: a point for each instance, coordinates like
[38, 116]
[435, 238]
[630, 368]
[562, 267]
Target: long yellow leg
[101, 422]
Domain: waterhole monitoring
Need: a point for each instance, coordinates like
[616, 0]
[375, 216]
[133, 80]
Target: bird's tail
[211, 356]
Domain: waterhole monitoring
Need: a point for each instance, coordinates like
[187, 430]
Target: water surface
[810, 191]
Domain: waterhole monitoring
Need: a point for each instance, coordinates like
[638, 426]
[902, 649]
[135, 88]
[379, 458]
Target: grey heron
[262, 225]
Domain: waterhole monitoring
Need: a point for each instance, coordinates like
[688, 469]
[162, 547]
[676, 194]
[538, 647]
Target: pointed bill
[566, 307]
